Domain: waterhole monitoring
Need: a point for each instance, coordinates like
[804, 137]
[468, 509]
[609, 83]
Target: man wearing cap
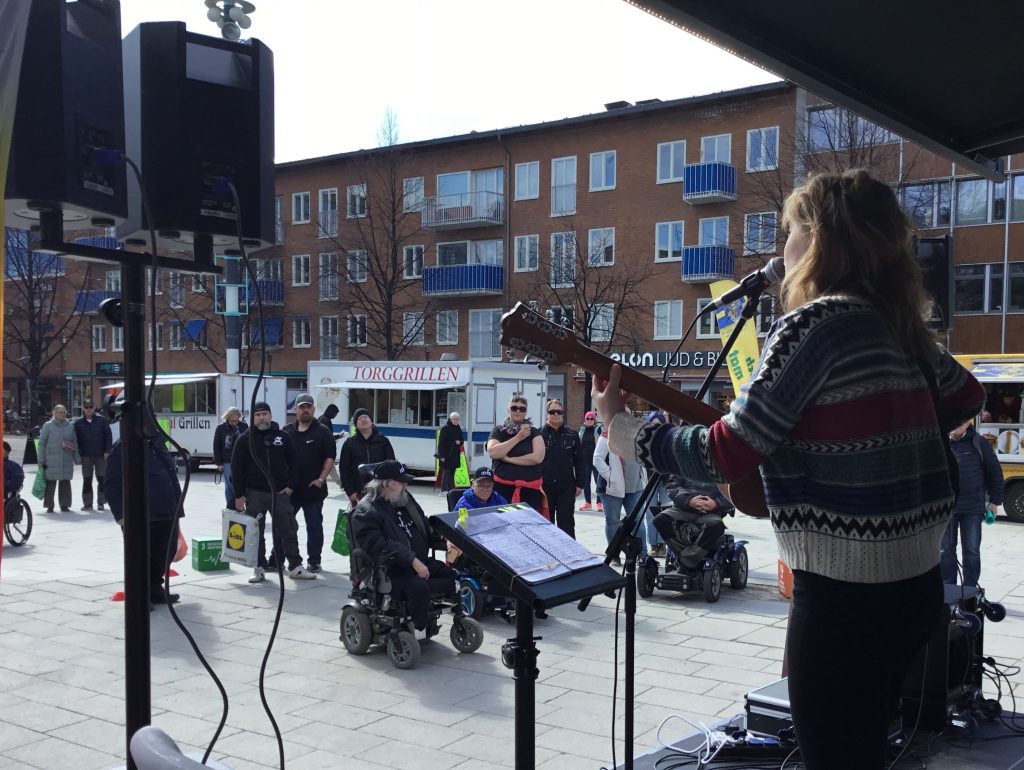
[481, 493]
[314, 450]
[268, 446]
[390, 528]
[94, 443]
[366, 445]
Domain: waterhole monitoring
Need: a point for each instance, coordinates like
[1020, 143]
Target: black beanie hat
[261, 406]
[359, 413]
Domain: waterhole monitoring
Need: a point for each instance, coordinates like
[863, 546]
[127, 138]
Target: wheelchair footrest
[673, 581]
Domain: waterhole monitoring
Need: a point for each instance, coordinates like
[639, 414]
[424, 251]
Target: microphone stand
[625, 539]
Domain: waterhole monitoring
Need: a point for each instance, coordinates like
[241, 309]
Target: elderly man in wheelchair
[398, 591]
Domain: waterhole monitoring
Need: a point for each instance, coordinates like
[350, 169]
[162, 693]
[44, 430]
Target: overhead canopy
[999, 372]
[166, 379]
[937, 72]
[394, 385]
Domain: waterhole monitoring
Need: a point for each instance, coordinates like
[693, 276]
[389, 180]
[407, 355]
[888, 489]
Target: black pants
[562, 504]
[408, 587]
[159, 542]
[691, 535]
[532, 497]
[63, 489]
[849, 647]
[447, 478]
[285, 530]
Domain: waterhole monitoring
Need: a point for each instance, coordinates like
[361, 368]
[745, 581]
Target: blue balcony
[704, 264]
[271, 292]
[454, 280]
[709, 183]
[89, 301]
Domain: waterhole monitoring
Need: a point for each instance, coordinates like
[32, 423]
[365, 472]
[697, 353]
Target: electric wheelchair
[476, 588]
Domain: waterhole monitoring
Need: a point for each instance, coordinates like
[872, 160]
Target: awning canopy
[392, 385]
[999, 372]
[166, 379]
[194, 328]
[937, 72]
[272, 326]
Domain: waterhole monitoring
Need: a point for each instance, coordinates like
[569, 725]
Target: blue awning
[272, 327]
[194, 328]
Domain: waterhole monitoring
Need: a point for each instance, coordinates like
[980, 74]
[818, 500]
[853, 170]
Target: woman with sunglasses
[564, 470]
[516, 449]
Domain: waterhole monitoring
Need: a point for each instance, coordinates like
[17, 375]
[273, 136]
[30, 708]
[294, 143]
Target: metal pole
[232, 321]
[525, 673]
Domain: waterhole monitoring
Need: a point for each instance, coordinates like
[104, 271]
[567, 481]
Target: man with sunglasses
[95, 441]
[564, 469]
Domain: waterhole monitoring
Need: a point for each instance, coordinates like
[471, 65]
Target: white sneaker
[301, 573]
[420, 634]
[258, 575]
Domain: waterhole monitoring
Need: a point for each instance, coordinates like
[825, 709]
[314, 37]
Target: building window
[671, 161]
[527, 180]
[765, 315]
[412, 262]
[601, 246]
[357, 267]
[300, 270]
[355, 206]
[329, 337]
[356, 331]
[159, 289]
[99, 339]
[412, 328]
[1017, 200]
[979, 288]
[273, 269]
[175, 289]
[716, 149]
[488, 252]
[198, 284]
[707, 327]
[832, 128]
[117, 339]
[412, 194]
[563, 260]
[113, 281]
[448, 327]
[563, 315]
[714, 231]
[175, 336]
[760, 233]
[278, 220]
[300, 208]
[928, 204]
[602, 170]
[601, 322]
[301, 335]
[563, 186]
[763, 148]
[668, 319]
[484, 326]
[199, 336]
[159, 336]
[527, 248]
[328, 276]
[980, 202]
[668, 241]
[453, 253]
[328, 213]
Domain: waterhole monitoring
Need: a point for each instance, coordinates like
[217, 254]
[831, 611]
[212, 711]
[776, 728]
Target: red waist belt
[517, 497]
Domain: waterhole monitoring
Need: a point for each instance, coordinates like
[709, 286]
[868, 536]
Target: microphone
[757, 281]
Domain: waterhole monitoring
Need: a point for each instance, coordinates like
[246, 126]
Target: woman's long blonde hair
[860, 243]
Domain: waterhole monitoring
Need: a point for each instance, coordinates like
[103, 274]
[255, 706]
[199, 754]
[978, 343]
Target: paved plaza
[62, 668]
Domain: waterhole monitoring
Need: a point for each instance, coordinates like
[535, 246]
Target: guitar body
[529, 332]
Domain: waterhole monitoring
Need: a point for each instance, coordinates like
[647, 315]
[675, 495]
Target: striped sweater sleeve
[961, 396]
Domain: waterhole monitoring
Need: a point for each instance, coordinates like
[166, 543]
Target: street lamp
[231, 16]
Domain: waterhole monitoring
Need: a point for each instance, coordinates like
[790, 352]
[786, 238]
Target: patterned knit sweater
[847, 439]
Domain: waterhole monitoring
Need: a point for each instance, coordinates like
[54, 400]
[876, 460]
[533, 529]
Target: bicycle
[17, 519]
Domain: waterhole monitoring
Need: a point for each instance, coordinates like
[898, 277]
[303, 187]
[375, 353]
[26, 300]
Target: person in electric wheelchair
[693, 526]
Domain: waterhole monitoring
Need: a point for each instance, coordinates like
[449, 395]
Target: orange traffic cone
[117, 597]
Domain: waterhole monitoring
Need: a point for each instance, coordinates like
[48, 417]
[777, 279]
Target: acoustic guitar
[529, 332]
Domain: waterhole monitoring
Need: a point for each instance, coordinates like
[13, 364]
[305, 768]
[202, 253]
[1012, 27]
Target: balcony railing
[453, 280]
[709, 183]
[563, 200]
[703, 264]
[475, 209]
[271, 292]
[89, 301]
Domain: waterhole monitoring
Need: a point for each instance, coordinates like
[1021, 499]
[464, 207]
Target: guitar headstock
[529, 332]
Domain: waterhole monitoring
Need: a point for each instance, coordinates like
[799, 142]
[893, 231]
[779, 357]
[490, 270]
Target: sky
[447, 67]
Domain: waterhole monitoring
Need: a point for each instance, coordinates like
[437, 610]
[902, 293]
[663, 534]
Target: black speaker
[69, 101]
[935, 256]
[199, 111]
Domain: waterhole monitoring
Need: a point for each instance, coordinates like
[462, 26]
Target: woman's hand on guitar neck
[608, 396]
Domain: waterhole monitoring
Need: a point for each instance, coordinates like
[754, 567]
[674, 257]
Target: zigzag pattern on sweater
[812, 520]
[868, 388]
[865, 444]
[708, 460]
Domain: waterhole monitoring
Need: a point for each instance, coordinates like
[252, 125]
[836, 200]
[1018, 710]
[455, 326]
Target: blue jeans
[659, 497]
[229, 487]
[613, 511]
[969, 527]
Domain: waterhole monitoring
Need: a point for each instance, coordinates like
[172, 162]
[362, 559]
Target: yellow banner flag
[742, 359]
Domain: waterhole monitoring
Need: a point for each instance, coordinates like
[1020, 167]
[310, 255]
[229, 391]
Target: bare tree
[191, 298]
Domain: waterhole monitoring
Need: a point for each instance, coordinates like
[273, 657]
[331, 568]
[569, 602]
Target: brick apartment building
[613, 223]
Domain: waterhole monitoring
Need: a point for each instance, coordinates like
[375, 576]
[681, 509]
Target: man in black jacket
[268, 446]
[94, 444]
[392, 531]
[564, 468]
[693, 525]
[224, 438]
[366, 445]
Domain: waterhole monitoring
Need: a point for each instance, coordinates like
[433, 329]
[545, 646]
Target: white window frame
[99, 338]
[763, 320]
[112, 281]
[302, 333]
[668, 332]
[117, 339]
[410, 251]
[353, 195]
[352, 335]
[278, 220]
[593, 312]
[567, 252]
[450, 326]
[469, 253]
[673, 149]
[300, 270]
[707, 322]
[353, 260]
[990, 201]
[327, 275]
[198, 283]
[412, 194]
[302, 208]
[327, 224]
[494, 315]
[717, 242]
[657, 240]
[175, 335]
[527, 253]
[601, 159]
[325, 335]
[159, 336]
[604, 234]
[414, 328]
[762, 164]
[717, 137]
[564, 211]
[762, 246]
[530, 190]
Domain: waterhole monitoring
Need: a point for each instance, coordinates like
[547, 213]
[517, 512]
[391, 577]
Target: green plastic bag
[39, 484]
[340, 544]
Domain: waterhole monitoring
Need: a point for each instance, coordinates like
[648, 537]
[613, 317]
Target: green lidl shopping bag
[39, 484]
[340, 543]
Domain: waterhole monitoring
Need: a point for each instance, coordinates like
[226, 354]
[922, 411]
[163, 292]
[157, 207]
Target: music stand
[520, 653]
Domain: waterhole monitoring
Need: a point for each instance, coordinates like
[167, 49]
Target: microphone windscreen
[775, 270]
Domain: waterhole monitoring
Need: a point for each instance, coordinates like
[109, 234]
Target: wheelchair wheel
[993, 611]
[356, 631]
[646, 577]
[18, 522]
[713, 584]
[472, 599]
[738, 570]
[403, 649]
[467, 634]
